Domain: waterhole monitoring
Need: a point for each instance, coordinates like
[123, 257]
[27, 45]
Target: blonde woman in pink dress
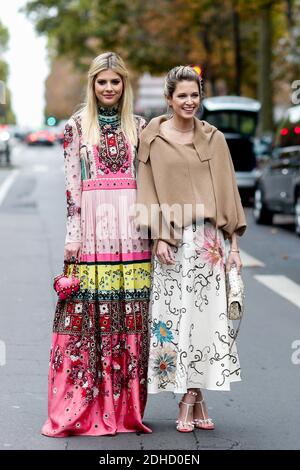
[98, 363]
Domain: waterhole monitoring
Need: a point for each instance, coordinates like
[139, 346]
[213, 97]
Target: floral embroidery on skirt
[190, 332]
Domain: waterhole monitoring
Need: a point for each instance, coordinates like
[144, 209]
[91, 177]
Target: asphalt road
[261, 412]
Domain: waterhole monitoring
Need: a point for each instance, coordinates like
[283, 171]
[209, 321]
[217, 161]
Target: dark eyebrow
[108, 80]
[193, 93]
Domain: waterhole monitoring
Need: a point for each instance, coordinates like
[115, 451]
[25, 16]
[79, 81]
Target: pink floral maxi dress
[98, 362]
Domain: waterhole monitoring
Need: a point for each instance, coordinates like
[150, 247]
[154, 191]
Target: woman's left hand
[234, 258]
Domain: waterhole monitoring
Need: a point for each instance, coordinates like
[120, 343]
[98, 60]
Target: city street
[261, 412]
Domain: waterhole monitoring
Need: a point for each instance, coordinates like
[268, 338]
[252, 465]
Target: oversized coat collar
[203, 134]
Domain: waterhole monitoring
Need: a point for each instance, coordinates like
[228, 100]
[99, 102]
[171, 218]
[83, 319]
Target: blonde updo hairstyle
[89, 111]
[179, 74]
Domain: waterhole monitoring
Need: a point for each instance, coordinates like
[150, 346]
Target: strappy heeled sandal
[184, 425]
[206, 423]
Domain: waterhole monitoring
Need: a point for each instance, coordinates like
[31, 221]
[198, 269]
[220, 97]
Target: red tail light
[284, 131]
[297, 130]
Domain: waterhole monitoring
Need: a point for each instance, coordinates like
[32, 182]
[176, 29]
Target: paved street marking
[2, 353]
[4, 188]
[250, 262]
[283, 286]
[40, 168]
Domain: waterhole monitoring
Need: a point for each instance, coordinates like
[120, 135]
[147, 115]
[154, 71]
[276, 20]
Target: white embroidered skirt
[190, 333]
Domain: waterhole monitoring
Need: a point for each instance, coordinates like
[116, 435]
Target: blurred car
[4, 143]
[20, 132]
[237, 118]
[60, 137]
[288, 130]
[278, 187]
[42, 137]
[263, 147]
[59, 131]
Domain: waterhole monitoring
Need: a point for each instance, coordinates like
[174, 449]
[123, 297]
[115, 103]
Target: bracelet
[234, 251]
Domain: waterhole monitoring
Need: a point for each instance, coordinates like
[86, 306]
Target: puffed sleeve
[73, 181]
[231, 216]
[149, 215]
[147, 200]
[241, 223]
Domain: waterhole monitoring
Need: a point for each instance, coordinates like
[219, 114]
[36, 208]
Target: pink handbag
[64, 285]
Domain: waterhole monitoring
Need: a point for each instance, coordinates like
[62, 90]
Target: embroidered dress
[98, 362]
[190, 332]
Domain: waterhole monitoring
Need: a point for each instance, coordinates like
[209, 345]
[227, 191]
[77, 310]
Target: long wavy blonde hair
[89, 111]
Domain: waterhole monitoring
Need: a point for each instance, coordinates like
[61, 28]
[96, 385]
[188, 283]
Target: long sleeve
[231, 216]
[240, 214]
[147, 200]
[73, 182]
[150, 217]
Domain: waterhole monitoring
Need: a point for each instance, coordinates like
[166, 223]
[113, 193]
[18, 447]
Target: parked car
[278, 187]
[237, 118]
[42, 137]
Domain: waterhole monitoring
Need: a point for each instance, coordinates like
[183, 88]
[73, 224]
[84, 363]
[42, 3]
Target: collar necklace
[108, 116]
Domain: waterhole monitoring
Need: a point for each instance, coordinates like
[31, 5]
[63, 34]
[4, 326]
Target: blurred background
[243, 48]
[248, 55]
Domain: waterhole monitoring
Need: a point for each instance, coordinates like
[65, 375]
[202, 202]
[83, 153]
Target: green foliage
[4, 38]
[155, 35]
[3, 71]
[3, 48]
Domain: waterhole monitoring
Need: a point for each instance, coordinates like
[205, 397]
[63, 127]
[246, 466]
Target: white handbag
[235, 294]
[235, 291]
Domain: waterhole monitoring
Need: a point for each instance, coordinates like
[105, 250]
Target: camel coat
[198, 173]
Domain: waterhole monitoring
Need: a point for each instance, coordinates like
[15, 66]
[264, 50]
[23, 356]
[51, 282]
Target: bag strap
[67, 263]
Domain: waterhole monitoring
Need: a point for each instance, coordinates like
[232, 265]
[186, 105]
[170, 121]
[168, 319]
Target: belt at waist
[108, 183]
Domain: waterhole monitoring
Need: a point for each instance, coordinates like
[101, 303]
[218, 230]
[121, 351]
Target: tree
[3, 48]
[234, 40]
[265, 84]
[6, 115]
[151, 36]
[266, 13]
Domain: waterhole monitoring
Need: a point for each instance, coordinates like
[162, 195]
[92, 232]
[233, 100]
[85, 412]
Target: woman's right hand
[72, 250]
[164, 253]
